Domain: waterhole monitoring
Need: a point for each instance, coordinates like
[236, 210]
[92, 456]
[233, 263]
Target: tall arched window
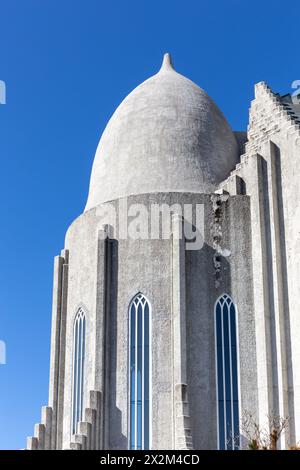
[78, 368]
[140, 373]
[227, 373]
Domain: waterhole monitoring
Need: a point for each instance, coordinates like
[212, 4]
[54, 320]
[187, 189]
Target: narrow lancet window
[78, 368]
[140, 373]
[227, 373]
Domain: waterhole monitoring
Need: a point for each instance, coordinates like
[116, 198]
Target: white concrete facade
[168, 144]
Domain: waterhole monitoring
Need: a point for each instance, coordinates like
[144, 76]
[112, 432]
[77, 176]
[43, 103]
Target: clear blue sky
[67, 64]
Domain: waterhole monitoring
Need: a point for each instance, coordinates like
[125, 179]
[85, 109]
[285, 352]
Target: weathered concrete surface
[169, 143]
[167, 135]
[270, 170]
[145, 266]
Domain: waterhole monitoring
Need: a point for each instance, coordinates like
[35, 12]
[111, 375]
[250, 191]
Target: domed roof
[166, 136]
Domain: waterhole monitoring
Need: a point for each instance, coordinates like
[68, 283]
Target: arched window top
[225, 298]
[139, 299]
[79, 314]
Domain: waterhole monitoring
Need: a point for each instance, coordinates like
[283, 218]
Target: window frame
[218, 302]
[129, 369]
[81, 361]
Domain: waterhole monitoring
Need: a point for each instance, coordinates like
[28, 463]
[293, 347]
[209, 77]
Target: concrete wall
[250, 251]
[145, 266]
[270, 171]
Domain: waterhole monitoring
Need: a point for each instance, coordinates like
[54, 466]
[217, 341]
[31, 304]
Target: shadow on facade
[115, 438]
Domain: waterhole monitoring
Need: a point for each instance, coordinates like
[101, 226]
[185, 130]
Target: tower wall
[269, 171]
[104, 280]
[248, 250]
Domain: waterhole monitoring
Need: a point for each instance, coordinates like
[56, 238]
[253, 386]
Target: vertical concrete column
[181, 429]
[281, 315]
[62, 348]
[75, 446]
[32, 443]
[101, 331]
[96, 405]
[39, 433]
[55, 341]
[90, 417]
[178, 299]
[59, 307]
[47, 421]
[85, 429]
[261, 292]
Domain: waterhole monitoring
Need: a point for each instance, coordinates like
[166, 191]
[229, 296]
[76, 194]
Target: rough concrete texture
[270, 170]
[167, 135]
[168, 143]
[145, 266]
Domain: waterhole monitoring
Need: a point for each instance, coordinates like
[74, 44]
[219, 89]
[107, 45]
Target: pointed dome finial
[167, 64]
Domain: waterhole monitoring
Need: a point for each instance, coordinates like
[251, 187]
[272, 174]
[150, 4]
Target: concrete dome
[167, 135]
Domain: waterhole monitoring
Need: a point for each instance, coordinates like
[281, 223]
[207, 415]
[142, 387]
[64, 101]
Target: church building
[176, 298]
